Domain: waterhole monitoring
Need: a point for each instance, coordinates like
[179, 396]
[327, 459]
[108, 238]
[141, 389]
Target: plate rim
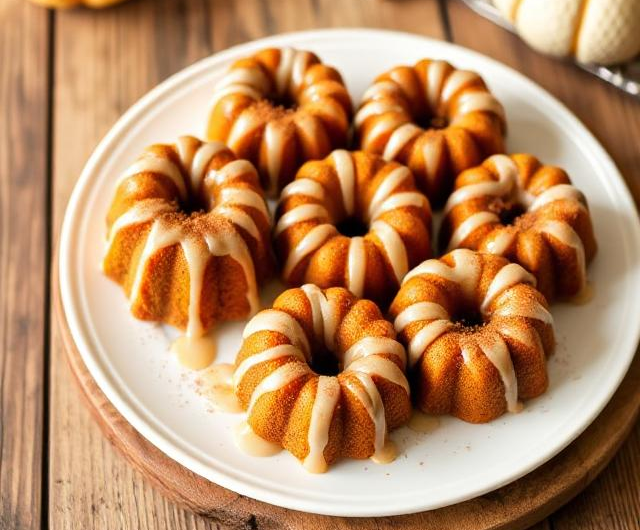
[145, 426]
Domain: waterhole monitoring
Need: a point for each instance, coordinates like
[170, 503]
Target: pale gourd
[73, 3]
[591, 31]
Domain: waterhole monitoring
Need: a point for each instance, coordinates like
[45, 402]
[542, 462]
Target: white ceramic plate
[131, 362]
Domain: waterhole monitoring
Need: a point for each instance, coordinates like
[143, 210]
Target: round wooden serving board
[515, 506]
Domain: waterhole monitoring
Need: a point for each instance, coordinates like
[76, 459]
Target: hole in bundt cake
[438, 122]
[509, 215]
[431, 121]
[352, 227]
[325, 363]
[469, 320]
[508, 212]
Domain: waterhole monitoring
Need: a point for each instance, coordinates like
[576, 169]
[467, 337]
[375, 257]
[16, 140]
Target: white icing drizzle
[274, 141]
[356, 266]
[557, 193]
[393, 246]
[232, 90]
[363, 360]
[141, 212]
[346, 173]
[252, 76]
[465, 271]
[318, 91]
[283, 72]
[384, 199]
[324, 404]
[281, 322]
[375, 108]
[470, 225]
[386, 188]
[418, 312]
[298, 69]
[382, 126]
[230, 196]
[270, 354]
[508, 276]
[380, 366]
[401, 200]
[309, 128]
[240, 218]
[499, 241]
[503, 187]
[433, 83]
[495, 349]
[197, 164]
[524, 308]
[313, 240]
[368, 346]
[304, 212]
[367, 393]
[246, 124]
[432, 153]
[303, 186]
[477, 101]
[398, 139]
[425, 337]
[304, 130]
[195, 157]
[568, 236]
[379, 89]
[508, 186]
[152, 163]
[324, 315]
[456, 80]
[278, 379]
[231, 171]
[220, 244]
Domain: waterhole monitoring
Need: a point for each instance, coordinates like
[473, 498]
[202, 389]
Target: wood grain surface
[83, 69]
[24, 207]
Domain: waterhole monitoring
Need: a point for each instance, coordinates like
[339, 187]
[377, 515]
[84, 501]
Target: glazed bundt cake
[352, 220]
[320, 418]
[528, 212]
[188, 235]
[433, 118]
[278, 109]
[477, 334]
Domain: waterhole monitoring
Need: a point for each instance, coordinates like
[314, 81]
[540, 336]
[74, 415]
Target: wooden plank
[613, 501]
[24, 45]
[104, 62]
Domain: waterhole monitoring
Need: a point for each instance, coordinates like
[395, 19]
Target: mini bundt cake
[352, 220]
[528, 212]
[433, 118]
[320, 418]
[477, 334]
[280, 108]
[188, 235]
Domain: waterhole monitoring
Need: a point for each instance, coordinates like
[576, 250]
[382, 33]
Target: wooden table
[65, 78]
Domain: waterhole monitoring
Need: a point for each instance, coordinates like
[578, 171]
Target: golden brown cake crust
[188, 235]
[320, 418]
[435, 119]
[352, 220]
[529, 212]
[280, 108]
[477, 334]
